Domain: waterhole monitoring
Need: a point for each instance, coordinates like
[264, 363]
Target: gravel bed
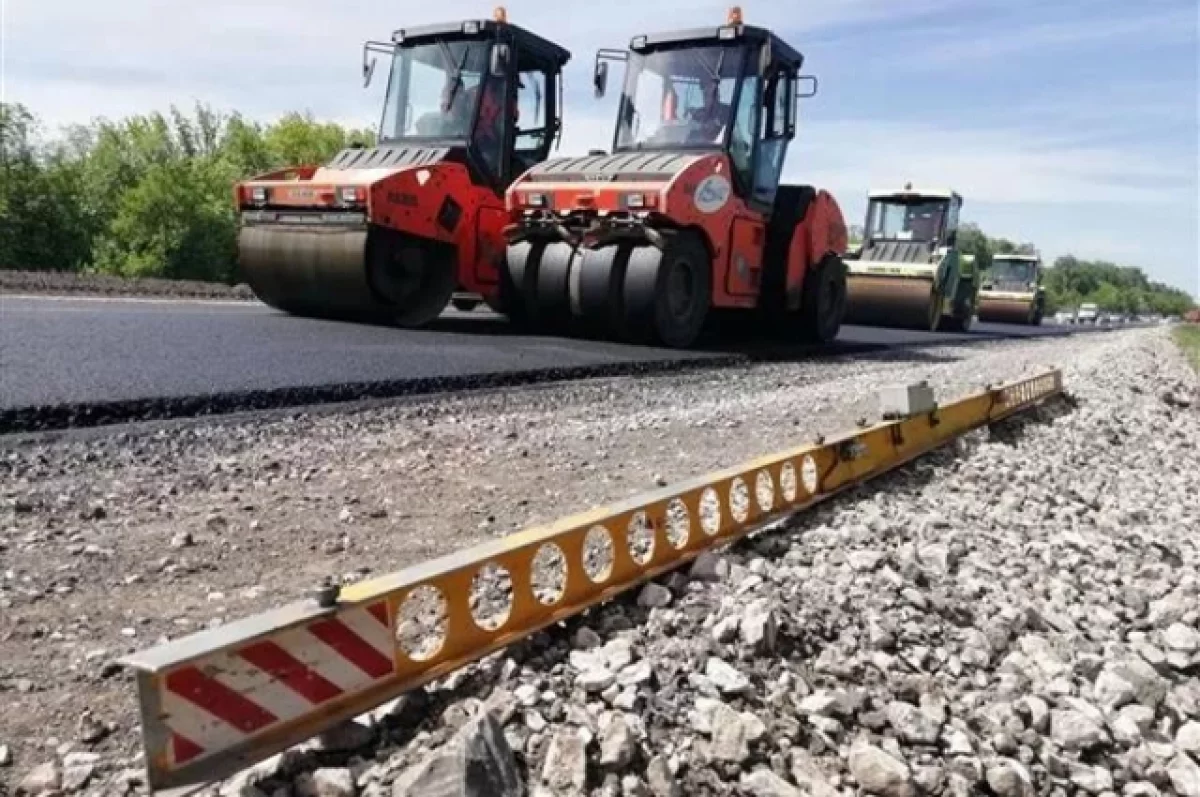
[1015, 615]
[66, 283]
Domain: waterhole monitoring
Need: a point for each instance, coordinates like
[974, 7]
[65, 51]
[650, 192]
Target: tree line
[152, 196]
[1070, 281]
[146, 196]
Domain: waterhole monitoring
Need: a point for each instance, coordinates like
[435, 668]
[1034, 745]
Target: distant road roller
[686, 219]
[392, 233]
[1012, 291]
[909, 272]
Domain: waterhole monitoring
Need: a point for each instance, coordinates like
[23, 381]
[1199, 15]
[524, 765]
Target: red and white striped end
[230, 697]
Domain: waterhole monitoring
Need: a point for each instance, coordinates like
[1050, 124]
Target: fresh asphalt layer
[131, 353]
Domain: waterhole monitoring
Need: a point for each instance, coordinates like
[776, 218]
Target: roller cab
[1012, 291]
[685, 217]
[909, 272]
[394, 232]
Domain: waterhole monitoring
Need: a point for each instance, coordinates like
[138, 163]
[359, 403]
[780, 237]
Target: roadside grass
[1188, 338]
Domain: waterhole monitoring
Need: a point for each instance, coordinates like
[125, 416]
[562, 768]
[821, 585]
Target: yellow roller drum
[1006, 311]
[904, 302]
[309, 271]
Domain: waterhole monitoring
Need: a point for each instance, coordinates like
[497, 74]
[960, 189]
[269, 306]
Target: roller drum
[906, 303]
[309, 272]
[1006, 311]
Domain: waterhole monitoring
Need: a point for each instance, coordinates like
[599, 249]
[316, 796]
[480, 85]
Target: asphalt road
[71, 351]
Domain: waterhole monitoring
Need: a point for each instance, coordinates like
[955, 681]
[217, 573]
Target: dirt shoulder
[61, 283]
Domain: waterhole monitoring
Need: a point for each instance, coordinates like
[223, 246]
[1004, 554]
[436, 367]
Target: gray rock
[5, 756]
[596, 680]
[586, 639]
[1187, 738]
[878, 772]
[43, 778]
[76, 775]
[765, 783]
[1008, 778]
[733, 733]
[660, 780]
[1149, 687]
[912, 724]
[1112, 690]
[725, 677]
[809, 777]
[654, 596]
[1131, 723]
[326, 782]
[1182, 637]
[928, 779]
[1093, 780]
[476, 763]
[710, 567]
[564, 770]
[344, 738]
[1038, 713]
[1185, 776]
[825, 704]
[617, 743]
[759, 627]
[1075, 731]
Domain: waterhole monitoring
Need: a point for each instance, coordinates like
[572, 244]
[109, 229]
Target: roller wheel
[518, 282]
[823, 302]
[667, 293]
[465, 305]
[597, 298]
[553, 307]
[415, 278]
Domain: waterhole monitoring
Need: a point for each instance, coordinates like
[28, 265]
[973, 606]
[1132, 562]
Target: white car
[1088, 314]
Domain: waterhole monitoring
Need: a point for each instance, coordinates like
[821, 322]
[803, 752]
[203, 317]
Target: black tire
[553, 290]
[791, 206]
[465, 305]
[597, 282]
[518, 281]
[416, 278]
[823, 302]
[667, 293]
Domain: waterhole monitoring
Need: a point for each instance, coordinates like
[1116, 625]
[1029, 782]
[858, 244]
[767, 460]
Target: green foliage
[1188, 338]
[145, 196]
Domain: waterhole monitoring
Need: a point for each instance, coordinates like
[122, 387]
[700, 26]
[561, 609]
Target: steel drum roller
[1006, 311]
[300, 269]
[904, 302]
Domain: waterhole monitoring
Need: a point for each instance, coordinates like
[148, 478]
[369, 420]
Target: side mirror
[499, 64]
[806, 80]
[368, 70]
[369, 59]
[600, 78]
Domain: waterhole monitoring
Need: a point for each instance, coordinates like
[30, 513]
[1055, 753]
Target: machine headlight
[258, 195]
[535, 200]
[635, 201]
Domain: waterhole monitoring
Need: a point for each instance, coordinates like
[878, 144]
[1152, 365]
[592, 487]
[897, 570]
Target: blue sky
[1072, 124]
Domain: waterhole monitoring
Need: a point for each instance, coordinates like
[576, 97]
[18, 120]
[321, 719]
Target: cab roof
[909, 192]
[741, 34]
[524, 40]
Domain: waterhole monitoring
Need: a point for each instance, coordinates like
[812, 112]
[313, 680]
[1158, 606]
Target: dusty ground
[70, 284]
[112, 541]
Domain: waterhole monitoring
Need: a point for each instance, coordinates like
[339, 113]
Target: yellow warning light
[735, 15]
[500, 14]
